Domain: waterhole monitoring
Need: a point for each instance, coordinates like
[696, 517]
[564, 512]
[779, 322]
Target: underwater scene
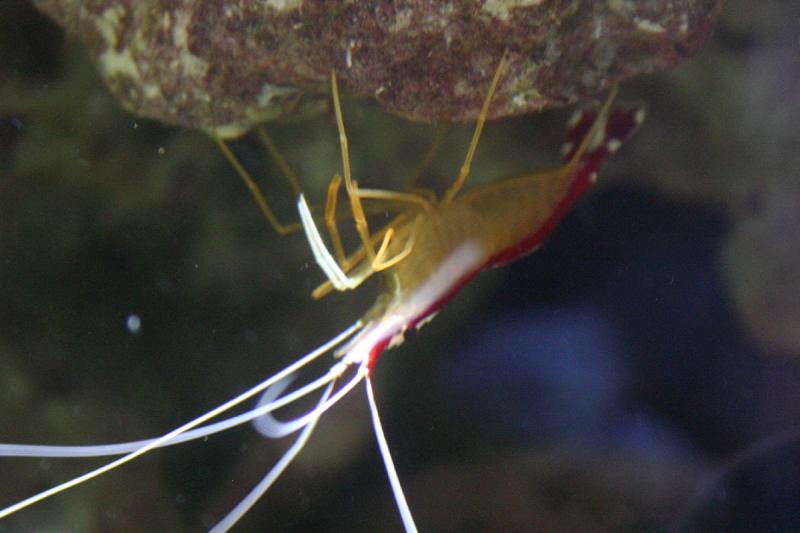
[640, 371]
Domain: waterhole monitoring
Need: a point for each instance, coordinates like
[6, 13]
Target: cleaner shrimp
[426, 254]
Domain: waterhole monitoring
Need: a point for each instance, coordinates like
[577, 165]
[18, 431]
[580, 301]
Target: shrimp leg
[350, 185]
[279, 160]
[282, 229]
[330, 221]
[355, 195]
[473, 145]
[359, 255]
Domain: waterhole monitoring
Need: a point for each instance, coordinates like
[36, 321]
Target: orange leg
[402, 254]
[282, 229]
[380, 261]
[377, 259]
[356, 260]
[412, 199]
[351, 186]
[330, 221]
[276, 156]
[473, 145]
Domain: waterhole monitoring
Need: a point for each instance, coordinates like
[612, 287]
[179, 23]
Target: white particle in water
[134, 324]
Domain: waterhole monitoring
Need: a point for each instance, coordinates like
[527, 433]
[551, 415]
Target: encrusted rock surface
[224, 66]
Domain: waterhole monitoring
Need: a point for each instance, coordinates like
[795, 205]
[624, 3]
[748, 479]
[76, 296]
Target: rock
[225, 66]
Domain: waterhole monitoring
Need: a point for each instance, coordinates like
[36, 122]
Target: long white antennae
[260, 411]
[268, 425]
[258, 491]
[394, 480]
[273, 428]
[301, 421]
[121, 448]
[276, 429]
[163, 440]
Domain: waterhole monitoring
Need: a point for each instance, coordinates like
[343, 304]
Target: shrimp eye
[409, 333]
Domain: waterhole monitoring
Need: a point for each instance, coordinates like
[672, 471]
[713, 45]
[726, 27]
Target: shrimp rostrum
[430, 249]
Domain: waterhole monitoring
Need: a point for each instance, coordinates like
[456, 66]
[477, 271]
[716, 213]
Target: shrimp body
[491, 225]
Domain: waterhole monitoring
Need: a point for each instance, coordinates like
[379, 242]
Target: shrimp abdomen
[519, 213]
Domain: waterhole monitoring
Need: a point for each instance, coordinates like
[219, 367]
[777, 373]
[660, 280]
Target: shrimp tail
[616, 128]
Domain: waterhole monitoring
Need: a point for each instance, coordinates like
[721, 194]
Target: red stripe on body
[376, 351]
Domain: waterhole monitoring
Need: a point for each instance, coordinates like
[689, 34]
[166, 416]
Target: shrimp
[426, 254]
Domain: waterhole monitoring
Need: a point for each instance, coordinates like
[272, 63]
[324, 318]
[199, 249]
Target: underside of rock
[225, 66]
